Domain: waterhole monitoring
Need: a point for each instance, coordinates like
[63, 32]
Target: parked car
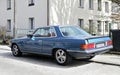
[64, 43]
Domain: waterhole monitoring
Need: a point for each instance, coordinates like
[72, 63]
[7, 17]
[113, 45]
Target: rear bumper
[87, 53]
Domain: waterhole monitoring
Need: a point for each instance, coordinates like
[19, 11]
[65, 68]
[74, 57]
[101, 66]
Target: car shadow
[42, 60]
[49, 61]
[105, 63]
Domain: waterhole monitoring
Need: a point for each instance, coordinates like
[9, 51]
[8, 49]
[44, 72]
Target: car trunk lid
[97, 42]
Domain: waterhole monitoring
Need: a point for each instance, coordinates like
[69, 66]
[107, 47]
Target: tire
[16, 51]
[62, 57]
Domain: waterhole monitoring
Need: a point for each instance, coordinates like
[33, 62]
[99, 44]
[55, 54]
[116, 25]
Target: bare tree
[116, 1]
[2, 33]
[116, 12]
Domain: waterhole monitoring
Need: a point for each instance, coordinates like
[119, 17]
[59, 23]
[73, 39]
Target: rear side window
[45, 32]
[72, 31]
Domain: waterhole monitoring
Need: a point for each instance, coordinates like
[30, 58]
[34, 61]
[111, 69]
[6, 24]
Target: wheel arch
[14, 44]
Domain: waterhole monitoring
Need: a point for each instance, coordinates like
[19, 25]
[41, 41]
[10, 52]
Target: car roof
[57, 26]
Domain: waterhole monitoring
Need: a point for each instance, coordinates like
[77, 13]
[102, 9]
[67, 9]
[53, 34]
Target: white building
[19, 16]
[115, 16]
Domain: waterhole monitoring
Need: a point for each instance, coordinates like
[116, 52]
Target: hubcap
[60, 56]
[15, 50]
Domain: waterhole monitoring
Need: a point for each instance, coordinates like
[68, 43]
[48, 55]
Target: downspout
[103, 28]
[48, 13]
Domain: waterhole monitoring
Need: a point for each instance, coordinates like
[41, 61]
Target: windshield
[72, 31]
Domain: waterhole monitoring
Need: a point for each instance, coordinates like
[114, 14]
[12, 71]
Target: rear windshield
[72, 31]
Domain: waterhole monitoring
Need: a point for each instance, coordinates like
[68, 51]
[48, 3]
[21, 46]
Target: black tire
[62, 57]
[16, 51]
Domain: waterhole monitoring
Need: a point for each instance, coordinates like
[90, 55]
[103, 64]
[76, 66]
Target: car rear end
[93, 46]
[82, 44]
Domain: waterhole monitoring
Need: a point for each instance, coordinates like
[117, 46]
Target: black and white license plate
[98, 45]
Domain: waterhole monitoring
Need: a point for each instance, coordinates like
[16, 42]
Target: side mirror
[29, 35]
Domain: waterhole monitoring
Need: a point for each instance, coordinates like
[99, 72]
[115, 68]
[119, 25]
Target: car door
[41, 42]
[34, 44]
[49, 41]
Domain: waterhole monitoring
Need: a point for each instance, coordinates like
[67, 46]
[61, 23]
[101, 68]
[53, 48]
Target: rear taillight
[87, 46]
[109, 43]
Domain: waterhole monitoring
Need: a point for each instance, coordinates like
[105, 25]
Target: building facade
[115, 16]
[21, 16]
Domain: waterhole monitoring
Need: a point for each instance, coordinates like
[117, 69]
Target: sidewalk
[4, 47]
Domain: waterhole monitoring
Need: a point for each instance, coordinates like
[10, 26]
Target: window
[31, 2]
[45, 32]
[106, 7]
[91, 26]
[8, 4]
[72, 31]
[81, 3]
[99, 5]
[81, 23]
[99, 26]
[8, 25]
[106, 26]
[91, 4]
[31, 23]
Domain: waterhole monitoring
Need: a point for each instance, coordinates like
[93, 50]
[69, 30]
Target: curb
[4, 49]
[114, 52]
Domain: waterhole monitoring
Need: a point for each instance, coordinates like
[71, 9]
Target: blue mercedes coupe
[64, 43]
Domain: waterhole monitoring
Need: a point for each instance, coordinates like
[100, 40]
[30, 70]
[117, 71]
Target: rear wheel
[16, 51]
[62, 57]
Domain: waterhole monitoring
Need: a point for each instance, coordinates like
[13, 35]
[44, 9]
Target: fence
[23, 32]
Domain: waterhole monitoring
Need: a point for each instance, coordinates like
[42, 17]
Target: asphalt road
[39, 65]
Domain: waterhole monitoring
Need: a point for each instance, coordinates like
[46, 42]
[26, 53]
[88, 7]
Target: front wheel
[16, 51]
[62, 57]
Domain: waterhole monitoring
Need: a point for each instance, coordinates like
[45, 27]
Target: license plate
[100, 45]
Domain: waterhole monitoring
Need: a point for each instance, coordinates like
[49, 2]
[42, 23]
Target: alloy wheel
[16, 51]
[60, 56]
